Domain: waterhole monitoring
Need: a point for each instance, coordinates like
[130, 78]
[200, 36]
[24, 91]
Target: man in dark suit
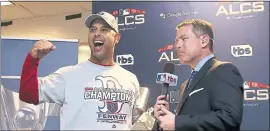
[212, 98]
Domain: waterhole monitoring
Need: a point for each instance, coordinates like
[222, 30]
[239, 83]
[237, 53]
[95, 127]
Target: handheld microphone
[167, 78]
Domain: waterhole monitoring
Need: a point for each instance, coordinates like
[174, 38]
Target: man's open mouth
[98, 43]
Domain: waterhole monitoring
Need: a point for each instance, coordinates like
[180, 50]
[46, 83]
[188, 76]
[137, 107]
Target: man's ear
[117, 38]
[204, 40]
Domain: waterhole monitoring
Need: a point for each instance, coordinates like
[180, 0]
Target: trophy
[144, 91]
[146, 121]
[18, 115]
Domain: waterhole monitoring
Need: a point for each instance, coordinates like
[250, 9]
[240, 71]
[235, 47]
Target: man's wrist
[32, 59]
[33, 54]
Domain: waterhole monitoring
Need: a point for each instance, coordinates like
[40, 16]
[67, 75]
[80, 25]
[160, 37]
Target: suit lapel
[196, 80]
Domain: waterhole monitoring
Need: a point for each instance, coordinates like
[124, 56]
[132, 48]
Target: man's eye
[184, 38]
[92, 30]
[104, 30]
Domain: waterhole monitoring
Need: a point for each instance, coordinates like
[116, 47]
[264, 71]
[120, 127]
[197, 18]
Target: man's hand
[41, 49]
[167, 120]
[160, 102]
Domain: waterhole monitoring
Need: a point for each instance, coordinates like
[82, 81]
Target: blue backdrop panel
[13, 54]
[14, 51]
[241, 37]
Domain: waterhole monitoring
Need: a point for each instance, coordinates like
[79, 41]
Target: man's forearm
[28, 91]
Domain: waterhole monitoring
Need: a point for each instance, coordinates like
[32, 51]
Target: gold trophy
[146, 121]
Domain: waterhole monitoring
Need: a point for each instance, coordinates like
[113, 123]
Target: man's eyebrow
[182, 36]
[92, 26]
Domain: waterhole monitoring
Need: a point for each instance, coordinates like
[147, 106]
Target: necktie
[184, 89]
[192, 76]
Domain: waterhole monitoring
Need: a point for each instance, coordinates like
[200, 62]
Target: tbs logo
[125, 59]
[241, 50]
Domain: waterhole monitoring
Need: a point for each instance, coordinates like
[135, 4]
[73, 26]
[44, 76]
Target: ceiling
[23, 10]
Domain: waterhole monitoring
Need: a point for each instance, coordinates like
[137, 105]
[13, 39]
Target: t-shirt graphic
[112, 97]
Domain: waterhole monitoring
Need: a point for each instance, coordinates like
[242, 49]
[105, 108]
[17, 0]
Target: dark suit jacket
[213, 101]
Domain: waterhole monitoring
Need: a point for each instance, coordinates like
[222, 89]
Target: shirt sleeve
[52, 88]
[36, 90]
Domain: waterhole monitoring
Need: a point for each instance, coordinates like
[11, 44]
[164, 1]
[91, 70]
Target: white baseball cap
[110, 19]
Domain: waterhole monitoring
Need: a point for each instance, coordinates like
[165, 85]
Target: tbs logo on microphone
[125, 59]
[241, 50]
[167, 78]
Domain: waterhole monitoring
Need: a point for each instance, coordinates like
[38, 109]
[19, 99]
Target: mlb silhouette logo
[100, 13]
[161, 77]
[123, 12]
[245, 85]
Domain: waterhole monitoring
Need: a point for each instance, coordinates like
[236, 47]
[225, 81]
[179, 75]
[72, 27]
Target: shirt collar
[202, 62]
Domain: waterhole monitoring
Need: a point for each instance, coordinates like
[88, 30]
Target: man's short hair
[200, 27]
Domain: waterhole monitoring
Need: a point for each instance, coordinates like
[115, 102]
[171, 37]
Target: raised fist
[41, 49]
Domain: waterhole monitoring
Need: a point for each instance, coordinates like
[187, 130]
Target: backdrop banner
[241, 36]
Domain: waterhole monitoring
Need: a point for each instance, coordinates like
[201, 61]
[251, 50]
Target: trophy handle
[7, 109]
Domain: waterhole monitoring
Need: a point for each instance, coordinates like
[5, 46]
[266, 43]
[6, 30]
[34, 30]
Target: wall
[52, 27]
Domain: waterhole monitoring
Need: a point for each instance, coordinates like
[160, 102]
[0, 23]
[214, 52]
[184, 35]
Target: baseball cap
[110, 19]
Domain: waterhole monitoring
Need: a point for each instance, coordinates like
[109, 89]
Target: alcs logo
[129, 17]
[252, 94]
[125, 59]
[242, 8]
[164, 56]
[241, 50]
[238, 8]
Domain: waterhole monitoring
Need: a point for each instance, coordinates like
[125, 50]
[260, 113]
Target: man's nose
[177, 46]
[97, 33]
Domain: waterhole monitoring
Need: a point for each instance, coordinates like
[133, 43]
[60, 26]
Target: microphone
[167, 78]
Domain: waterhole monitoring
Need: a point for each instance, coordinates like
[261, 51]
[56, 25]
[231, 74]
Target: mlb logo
[246, 85]
[123, 12]
[100, 13]
[161, 77]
